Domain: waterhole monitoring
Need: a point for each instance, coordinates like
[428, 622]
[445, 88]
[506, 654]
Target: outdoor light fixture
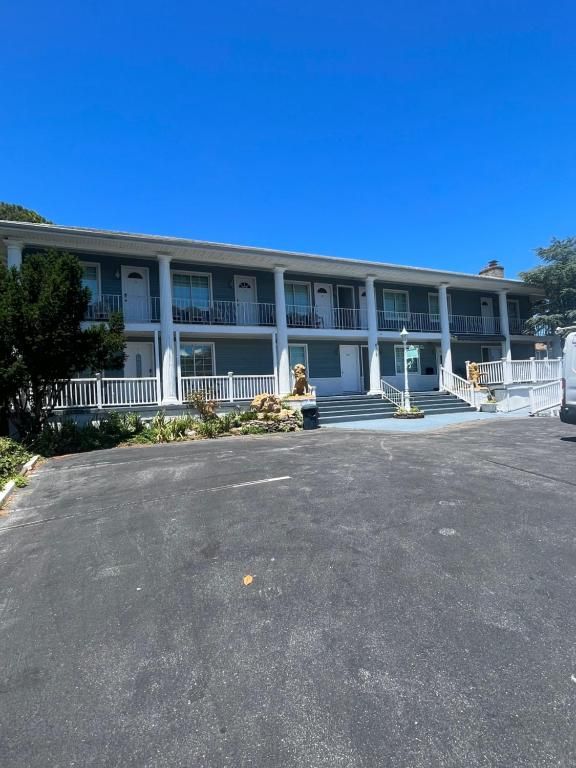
[117, 274]
[404, 337]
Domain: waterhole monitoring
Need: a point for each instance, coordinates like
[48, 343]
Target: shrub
[12, 456]
[205, 406]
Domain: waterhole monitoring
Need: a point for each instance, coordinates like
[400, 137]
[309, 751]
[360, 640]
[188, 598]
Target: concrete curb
[10, 485]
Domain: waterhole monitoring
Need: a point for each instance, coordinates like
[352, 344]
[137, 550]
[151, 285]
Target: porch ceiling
[181, 249]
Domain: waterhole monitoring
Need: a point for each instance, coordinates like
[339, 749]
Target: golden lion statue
[474, 375]
[301, 386]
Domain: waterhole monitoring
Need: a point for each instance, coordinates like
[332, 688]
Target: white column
[373, 348]
[275, 362]
[14, 252]
[504, 325]
[169, 396]
[281, 332]
[445, 326]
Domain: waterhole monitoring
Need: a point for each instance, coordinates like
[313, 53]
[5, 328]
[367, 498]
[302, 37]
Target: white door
[363, 309]
[323, 302]
[487, 312]
[246, 299]
[139, 361]
[135, 294]
[349, 368]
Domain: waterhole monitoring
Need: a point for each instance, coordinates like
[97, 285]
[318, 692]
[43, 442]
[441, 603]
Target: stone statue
[301, 387]
[474, 375]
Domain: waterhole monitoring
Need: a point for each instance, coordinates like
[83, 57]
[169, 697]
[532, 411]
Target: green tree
[12, 212]
[556, 276]
[42, 343]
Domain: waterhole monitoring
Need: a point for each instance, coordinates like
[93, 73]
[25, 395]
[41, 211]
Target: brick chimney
[492, 269]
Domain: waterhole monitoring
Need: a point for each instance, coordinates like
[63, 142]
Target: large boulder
[266, 403]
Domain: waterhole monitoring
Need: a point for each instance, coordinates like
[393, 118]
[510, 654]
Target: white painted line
[243, 485]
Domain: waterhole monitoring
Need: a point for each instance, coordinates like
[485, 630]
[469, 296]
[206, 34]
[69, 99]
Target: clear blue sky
[432, 132]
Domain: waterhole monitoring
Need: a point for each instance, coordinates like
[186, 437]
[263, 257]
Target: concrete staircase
[342, 408]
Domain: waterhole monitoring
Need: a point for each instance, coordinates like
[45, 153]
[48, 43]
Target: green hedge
[12, 456]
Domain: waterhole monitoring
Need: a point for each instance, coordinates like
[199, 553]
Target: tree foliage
[42, 343]
[557, 277]
[13, 212]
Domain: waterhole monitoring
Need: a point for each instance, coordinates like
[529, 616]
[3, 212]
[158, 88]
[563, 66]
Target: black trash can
[310, 418]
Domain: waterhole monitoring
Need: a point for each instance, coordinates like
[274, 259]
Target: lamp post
[404, 337]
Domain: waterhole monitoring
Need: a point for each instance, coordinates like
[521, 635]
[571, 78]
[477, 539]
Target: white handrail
[456, 385]
[98, 392]
[545, 397]
[390, 393]
[230, 387]
[520, 371]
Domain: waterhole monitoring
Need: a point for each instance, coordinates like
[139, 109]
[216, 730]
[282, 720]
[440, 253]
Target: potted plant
[490, 405]
[409, 413]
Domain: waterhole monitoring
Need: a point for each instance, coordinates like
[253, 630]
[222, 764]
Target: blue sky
[439, 133]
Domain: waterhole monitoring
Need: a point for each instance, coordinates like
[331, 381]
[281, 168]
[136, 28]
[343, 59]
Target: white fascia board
[182, 250]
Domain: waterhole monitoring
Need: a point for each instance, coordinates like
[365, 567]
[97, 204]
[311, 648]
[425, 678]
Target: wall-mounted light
[117, 274]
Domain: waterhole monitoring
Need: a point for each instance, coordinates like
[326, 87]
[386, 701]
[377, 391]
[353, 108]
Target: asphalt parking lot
[412, 603]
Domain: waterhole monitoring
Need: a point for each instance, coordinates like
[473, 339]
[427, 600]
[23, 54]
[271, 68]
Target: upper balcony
[236, 313]
[147, 310]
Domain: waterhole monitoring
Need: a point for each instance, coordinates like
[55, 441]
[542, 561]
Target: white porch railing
[519, 371]
[545, 397]
[223, 312]
[228, 388]
[472, 324]
[390, 393]
[104, 392]
[413, 321]
[456, 385]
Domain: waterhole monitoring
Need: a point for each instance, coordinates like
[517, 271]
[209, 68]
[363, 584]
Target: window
[513, 309]
[412, 355]
[491, 354]
[191, 290]
[396, 302]
[298, 353]
[434, 304]
[197, 359]
[345, 296]
[297, 295]
[91, 278]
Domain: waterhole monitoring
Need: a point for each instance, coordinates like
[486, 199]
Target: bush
[69, 437]
[205, 406]
[12, 456]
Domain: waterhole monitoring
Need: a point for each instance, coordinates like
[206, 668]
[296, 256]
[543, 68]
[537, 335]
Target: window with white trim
[297, 295]
[191, 290]
[91, 279]
[298, 353]
[197, 359]
[396, 302]
[434, 304]
[412, 358]
[513, 309]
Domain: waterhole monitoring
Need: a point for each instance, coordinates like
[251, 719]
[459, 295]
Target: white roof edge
[21, 227]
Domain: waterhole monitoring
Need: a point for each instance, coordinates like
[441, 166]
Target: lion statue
[474, 375]
[301, 386]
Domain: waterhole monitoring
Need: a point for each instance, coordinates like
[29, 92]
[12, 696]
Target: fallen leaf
[247, 580]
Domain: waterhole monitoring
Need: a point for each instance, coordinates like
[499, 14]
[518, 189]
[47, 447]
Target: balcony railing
[223, 313]
[299, 316]
[147, 309]
[412, 321]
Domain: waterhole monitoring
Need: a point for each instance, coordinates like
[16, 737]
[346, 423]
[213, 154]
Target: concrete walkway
[431, 422]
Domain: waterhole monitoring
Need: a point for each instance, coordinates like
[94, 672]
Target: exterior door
[139, 361]
[349, 368]
[323, 302]
[246, 300]
[487, 312]
[135, 294]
